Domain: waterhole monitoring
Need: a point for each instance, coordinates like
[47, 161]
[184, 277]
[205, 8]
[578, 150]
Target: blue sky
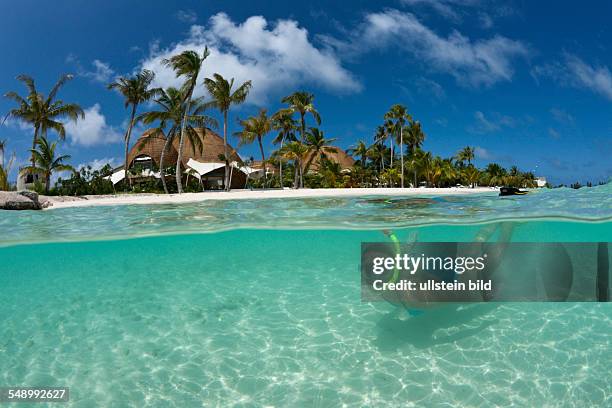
[527, 83]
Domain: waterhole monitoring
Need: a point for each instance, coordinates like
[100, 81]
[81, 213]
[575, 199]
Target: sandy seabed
[122, 199]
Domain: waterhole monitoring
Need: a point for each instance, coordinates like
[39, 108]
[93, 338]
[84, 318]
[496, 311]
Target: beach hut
[146, 152]
[207, 164]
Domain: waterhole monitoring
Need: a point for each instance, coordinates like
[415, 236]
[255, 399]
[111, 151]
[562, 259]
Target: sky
[526, 83]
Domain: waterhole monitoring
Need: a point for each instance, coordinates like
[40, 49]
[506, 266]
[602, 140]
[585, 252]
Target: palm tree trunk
[161, 165]
[391, 164]
[226, 177]
[179, 183]
[280, 162]
[34, 145]
[296, 178]
[402, 153]
[263, 161]
[128, 135]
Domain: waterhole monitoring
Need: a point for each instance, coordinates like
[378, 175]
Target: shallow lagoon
[263, 317]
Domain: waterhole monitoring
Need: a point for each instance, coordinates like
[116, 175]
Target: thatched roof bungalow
[148, 149]
[340, 156]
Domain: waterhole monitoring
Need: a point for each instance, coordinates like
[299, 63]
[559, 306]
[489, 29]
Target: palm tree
[135, 91]
[5, 168]
[44, 112]
[220, 89]
[471, 174]
[398, 114]
[377, 153]
[360, 150]
[45, 161]
[296, 151]
[317, 146]
[170, 116]
[255, 128]
[302, 103]
[416, 137]
[495, 174]
[189, 65]
[466, 155]
[285, 124]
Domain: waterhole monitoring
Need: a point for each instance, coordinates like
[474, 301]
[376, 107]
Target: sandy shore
[123, 199]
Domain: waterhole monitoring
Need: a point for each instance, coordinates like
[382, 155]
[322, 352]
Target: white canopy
[120, 175]
[117, 176]
[203, 168]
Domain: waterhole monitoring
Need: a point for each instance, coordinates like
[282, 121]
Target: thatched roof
[212, 147]
[151, 144]
[340, 156]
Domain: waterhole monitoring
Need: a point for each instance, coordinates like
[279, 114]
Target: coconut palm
[317, 146]
[398, 115]
[135, 91]
[45, 161]
[360, 149]
[187, 64]
[377, 153]
[471, 175]
[495, 174]
[390, 176]
[466, 155]
[380, 137]
[44, 112]
[220, 89]
[170, 115]
[5, 168]
[256, 128]
[285, 124]
[302, 103]
[415, 136]
[296, 151]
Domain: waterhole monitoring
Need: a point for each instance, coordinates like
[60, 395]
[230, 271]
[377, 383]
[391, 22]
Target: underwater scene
[258, 303]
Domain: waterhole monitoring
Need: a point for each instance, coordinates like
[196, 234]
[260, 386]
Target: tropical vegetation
[395, 157]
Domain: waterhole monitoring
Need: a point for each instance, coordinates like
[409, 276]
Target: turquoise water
[241, 304]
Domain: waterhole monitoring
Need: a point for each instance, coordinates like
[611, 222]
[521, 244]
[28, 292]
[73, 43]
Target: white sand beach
[123, 199]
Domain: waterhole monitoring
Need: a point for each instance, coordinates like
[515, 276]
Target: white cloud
[92, 130]
[596, 78]
[100, 71]
[18, 124]
[481, 62]
[482, 153]
[484, 125]
[277, 58]
[573, 71]
[445, 8]
[97, 164]
[186, 16]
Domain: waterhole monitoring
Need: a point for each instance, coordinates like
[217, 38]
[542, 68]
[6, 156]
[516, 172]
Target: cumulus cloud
[481, 62]
[92, 130]
[277, 57]
[573, 71]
